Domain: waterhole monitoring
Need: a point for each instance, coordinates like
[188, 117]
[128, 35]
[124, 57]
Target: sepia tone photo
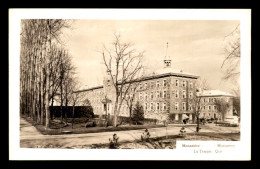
[128, 84]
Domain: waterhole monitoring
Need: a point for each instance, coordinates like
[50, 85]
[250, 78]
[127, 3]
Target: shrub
[138, 113]
[172, 117]
[145, 136]
[113, 143]
[90, 124]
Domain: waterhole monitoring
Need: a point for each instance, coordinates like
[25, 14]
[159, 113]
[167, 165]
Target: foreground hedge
[79, 111]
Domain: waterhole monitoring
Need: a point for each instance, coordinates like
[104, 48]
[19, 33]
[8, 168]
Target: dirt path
[27, 130]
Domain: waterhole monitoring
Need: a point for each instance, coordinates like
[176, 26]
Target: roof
[213, 93]
[165, 72]
[174, 72]
[92, 88]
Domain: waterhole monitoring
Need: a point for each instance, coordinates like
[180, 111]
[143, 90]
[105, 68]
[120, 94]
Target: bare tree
[236, 100]
[130, 98]
[231, 63]
[195, 101]
[38, 40]
[222, 107]
[77, 98]
[124, 65]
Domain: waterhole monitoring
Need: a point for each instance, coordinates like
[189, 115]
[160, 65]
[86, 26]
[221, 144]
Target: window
[158, 83]
[146, 106]
[176, 93]
[191, 85]
[140, 95]
[140, 86]
[158, 106]
[215, 107]
[177, 83]
[146, 87]
[214, 99]
[176, 105]
[151, 95]
[164, 94]
[158, 94]
[204, 100]
[204, 107]
[164, 106]
[151, 106]
[183, 83]
[164, 83]
[145, 95]
[190, 94]
[183, 94]
[209, 99]
[209, 107]
[183, 106]
[152, 84]
[190, 107]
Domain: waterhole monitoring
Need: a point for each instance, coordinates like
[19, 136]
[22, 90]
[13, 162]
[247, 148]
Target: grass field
[56, 128]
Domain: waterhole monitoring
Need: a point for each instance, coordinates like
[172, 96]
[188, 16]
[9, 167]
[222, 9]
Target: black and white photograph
[90, 84]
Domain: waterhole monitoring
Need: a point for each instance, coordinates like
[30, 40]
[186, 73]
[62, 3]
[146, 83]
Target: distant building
[211, 100]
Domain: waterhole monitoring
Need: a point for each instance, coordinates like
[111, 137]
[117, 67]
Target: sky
[194, 46]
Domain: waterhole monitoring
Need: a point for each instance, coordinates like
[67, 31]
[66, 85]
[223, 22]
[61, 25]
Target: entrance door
[180, 118]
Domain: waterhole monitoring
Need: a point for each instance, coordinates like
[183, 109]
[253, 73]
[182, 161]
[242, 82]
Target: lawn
[56, 128]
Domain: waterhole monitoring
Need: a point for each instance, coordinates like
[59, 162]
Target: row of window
[209, 107]
[163, 94]
[183, 106]
[209, 100]
[155, 106]
[145, 86]
[213, 99]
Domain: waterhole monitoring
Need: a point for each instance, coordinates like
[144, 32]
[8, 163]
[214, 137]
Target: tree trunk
[52, 101]
[115, 113]
[47, 94]
[130, 115]
[198, 124]
[42, 98]
[61, 102]
[72, 116]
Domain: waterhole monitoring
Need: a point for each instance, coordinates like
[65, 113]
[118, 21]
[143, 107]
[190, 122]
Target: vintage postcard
[129, 84]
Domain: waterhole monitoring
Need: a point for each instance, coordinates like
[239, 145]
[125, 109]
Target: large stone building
[163, 92]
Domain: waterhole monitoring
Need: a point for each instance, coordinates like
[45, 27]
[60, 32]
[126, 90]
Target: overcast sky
[194, 46]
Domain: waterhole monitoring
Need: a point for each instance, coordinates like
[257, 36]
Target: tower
[167, 60]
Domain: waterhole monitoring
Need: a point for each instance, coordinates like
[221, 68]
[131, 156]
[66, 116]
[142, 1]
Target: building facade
[216, 104]
[161, 93]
